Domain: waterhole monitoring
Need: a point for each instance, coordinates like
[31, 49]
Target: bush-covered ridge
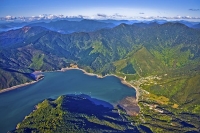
[75, 113]
[172, 45]
[162, 60]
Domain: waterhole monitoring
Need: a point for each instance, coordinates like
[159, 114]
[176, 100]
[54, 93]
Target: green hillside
[162, 61]
[75, 114]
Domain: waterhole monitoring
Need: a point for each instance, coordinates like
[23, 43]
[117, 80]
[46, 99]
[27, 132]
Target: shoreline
[123, 80]
[19, 86]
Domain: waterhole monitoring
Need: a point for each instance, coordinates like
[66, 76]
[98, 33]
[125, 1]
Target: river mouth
[18, 103]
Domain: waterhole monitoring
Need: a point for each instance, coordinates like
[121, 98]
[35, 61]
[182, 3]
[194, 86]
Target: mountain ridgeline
[163, 59]
[61, 26]
[171, 45]
[65, 26]
[100, 47]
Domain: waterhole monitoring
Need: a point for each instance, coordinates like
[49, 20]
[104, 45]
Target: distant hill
[197, 26]
[11, 26]
[65, 26]
[62, 26]
[20, 35]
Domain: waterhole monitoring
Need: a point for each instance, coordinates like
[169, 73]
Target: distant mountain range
[64, 26]
[161, 58]
[81, 25]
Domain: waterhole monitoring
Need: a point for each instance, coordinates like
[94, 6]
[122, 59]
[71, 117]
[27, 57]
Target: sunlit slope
[162, 60]
[145, 49]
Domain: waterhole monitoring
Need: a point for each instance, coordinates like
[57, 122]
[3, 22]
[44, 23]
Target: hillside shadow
[26, 74]
[86, 104]
[95, 109]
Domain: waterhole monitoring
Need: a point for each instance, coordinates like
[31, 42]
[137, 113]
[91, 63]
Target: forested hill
[163, 60]
[77, 113]
[37, 48]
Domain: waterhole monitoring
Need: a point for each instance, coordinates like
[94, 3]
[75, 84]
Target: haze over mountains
[66, 26]
[162, 58]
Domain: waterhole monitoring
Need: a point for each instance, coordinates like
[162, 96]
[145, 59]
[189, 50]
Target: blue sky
[101, 8]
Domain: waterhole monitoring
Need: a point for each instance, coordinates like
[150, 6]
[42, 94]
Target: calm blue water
[16, 104]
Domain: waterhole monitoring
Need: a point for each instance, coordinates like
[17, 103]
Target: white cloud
[116, 16]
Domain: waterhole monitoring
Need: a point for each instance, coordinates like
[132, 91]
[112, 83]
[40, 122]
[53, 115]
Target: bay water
[18, 103]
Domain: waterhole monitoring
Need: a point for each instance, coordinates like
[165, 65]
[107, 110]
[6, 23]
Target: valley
[162, 61]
